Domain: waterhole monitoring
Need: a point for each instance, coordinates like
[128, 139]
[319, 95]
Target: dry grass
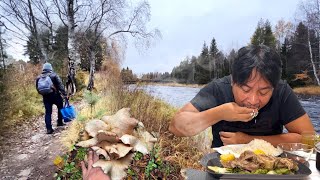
[19, 99]
[309, 90]
[72, 135]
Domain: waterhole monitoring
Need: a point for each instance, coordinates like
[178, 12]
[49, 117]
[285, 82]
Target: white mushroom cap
[101, 151]
[107, 136]
[87, 143]
[116, 169]
[115, 150]
[95, 125]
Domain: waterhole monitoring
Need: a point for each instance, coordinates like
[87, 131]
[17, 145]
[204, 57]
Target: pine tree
[284, 57]
[269, 38]
[257, 37]
[202, 68]
[213, 59]
[264, 35]
[298, 54]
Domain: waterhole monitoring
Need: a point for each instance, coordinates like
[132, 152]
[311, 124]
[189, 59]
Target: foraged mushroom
[101, 151]
[107, 136]
[116, 169]
[92, 127]
[116, 150]
[87, 143]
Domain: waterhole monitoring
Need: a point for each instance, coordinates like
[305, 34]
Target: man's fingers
[90, 159]
[95, 158]
[224, 140]
[83, 167]
[245, 110]
[226, 134]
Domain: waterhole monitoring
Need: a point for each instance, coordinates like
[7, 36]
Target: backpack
[45, 85]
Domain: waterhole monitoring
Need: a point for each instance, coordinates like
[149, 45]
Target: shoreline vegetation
[307, 91]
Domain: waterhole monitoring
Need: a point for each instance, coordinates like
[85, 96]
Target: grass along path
[27, 152]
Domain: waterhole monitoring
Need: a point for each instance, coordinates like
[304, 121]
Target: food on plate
[227, 157]
[252, 163]
[258, 152]
[258, 146]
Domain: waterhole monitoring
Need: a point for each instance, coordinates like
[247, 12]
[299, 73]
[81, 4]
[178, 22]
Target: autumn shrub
[19, 97]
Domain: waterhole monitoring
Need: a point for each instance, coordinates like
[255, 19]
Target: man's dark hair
[266, 61]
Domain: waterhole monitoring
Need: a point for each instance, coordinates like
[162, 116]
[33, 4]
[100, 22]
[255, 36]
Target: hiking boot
[61, 124]
[50, 131]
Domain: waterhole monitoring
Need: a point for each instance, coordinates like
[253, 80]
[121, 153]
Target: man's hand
[233, 112]
[234, 138]
[92, 173]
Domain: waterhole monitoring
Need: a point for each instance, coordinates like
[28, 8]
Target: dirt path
[27, 152]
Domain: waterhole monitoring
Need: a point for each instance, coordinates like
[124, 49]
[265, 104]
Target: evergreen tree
[202, 67]
[258, 35]
[284, 57]
[298, 53]
[269, 38]
[298, 59]
[213, 59]
[264, 35]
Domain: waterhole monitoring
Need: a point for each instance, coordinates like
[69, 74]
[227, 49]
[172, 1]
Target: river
[178, 96]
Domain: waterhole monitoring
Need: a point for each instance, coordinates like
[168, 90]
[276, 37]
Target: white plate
[235, 149]
[229, 149]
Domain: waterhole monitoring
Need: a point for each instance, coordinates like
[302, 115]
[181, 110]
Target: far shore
[308, 91]
[176, 85]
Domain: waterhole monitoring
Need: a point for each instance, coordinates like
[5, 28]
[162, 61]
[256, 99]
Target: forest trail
[27, 152]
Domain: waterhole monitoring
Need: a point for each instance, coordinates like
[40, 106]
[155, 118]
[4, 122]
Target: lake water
[178, 96]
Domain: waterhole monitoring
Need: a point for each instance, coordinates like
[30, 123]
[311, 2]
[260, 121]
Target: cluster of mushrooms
[115, 139]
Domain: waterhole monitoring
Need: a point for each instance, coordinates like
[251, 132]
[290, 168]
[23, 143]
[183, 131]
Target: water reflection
[179, 96]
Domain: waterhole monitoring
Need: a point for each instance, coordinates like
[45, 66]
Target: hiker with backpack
[50, 86]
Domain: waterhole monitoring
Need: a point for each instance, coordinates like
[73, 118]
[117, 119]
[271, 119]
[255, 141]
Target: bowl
[296, 151]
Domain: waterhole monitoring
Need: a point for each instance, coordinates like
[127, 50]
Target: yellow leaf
[58, 161]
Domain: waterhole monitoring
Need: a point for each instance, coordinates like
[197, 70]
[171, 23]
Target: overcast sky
[186, 24]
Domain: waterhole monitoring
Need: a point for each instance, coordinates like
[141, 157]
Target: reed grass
[309, 90]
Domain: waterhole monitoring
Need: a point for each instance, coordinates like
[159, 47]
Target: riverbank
[309, 92]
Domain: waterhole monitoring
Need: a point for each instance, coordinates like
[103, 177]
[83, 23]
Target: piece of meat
[286, 163]
[250, 162]
[226, 164]
[247, 161]
[266, 162]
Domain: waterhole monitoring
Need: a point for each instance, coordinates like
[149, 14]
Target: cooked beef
[266, 162]
[286, 163]
[251, 162]
[226, 164]
[246, 161]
